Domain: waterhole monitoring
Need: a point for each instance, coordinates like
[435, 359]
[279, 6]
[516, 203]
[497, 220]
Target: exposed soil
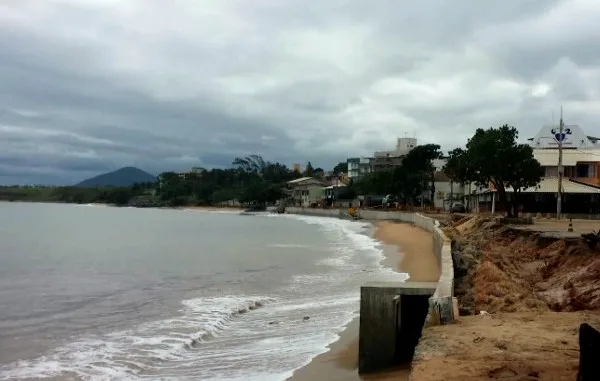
[503, 269]
[532, 346]
[526, 293]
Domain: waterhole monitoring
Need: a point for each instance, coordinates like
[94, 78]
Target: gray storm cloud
[88, 86]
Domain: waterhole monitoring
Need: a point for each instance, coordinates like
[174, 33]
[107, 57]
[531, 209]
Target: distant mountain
[124, 177]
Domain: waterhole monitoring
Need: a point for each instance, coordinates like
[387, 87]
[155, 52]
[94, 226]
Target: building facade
[385, 160]
[305, 191]
[447, 192]
[358, 167]
[581, 175]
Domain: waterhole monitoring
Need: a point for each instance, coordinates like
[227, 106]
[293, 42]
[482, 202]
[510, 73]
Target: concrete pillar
[391, 318]
[441, 310]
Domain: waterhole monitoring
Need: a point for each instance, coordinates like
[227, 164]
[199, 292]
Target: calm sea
[100, 293]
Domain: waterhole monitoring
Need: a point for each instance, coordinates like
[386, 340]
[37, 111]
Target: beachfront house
[446, 191]
[581, 181]
[305, 191]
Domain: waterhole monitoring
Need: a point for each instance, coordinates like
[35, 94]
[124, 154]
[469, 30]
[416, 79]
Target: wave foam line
[123, 355]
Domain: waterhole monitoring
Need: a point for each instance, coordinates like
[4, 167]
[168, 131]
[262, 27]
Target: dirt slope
[535, 289]
[502, 269]
[507, 346]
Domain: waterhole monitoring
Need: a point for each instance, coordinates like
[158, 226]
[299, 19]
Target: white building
[580, 186]
[358, 167]
[403, 147]
[581, 154]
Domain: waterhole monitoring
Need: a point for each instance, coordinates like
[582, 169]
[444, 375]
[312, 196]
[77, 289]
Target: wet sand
[415, 247]
[409, 249]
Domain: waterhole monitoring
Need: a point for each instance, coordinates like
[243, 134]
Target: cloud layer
[88, 86]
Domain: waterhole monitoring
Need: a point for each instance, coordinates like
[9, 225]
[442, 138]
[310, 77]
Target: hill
[124, 177]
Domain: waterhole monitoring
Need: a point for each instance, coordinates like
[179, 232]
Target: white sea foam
[244, 337]
[123, 354]
[213, 211]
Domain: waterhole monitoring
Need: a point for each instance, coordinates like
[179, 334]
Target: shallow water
[100, 293]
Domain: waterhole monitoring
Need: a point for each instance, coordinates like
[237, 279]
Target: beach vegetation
[250, 180]
[493, 157]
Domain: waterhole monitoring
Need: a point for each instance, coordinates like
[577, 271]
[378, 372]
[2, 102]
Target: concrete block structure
[392, 315]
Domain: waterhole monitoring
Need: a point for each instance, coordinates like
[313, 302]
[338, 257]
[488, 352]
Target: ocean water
[98, 293]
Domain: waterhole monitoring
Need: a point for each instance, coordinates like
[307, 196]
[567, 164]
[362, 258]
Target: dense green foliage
[412, 182]
[79, 195]
[341, 168]
[493, 156]
[251, 180]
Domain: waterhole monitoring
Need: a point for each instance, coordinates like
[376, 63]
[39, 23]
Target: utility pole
[560, 165]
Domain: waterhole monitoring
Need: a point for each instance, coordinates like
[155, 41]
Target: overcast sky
[88, 86]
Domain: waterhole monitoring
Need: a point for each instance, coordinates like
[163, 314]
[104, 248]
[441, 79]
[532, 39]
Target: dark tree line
[77, 195]
[251, 180]
[494, 157]
[491, 157]
[411, 183]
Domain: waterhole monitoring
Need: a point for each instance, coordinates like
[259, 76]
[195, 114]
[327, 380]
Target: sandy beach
[412, 253]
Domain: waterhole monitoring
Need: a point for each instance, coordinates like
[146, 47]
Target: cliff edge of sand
[522, 292]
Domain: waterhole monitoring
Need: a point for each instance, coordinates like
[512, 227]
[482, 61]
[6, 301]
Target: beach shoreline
[407, 249]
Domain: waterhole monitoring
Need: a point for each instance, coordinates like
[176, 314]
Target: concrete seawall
[441, 246]
[392, 314]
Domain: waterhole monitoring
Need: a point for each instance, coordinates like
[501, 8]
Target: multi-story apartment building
[381, 160]
[384, 160]
[358, 167]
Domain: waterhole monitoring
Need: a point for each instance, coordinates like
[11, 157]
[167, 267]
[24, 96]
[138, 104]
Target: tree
[172, 185]
[419, 161]
[250, 164]
[309, 170]
[493, 156]
[341, 168]
[375, 183]
[457, 169]
[318, 172]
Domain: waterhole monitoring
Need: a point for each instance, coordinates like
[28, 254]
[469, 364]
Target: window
[583, 170]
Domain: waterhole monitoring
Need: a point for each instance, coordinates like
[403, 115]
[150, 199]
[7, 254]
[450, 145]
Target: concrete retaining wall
[441, 242]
